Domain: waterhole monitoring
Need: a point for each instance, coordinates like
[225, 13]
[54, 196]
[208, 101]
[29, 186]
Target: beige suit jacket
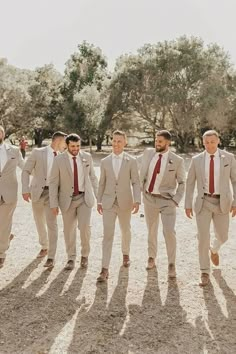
[173, 182]
[196, 173]
[36, 165]
[61, 181]
[126, 188]
[8, 180]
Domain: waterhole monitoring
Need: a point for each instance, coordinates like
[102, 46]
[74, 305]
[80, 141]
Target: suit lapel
[68, 165]
[202, 166]
[222, 163]
[45, 160]
[123, 164]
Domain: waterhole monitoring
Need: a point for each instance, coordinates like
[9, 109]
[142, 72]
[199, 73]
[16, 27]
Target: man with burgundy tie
[39, 165]
[162, 176]
[213, 170]
[119, 195]
[72, 187]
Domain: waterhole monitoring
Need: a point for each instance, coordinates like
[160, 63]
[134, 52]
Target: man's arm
[135, 182]
[181, 177]
[54, 181]
[190, 185]
[233, 182]
[93, 178]
[25, 175]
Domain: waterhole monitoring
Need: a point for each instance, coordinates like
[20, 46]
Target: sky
[34, 33]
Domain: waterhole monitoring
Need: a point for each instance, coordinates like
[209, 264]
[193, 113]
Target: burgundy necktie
[54, 153]
[76, 184]
[155, 172]
[211, 176]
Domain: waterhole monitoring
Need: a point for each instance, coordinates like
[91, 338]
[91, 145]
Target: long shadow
[98, 330]
[222, 326]
[29, 322]
[157, 328]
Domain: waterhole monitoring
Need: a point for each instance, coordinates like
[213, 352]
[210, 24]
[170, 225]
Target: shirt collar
[71, 156]
[2, 146]
[216, 154]
[120, 156]
[164, 154]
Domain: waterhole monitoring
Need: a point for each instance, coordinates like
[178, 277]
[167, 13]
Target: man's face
[2, 135]
[118, 144]
[161, 144]
[211, 143]
[61, 144]
[73, 147]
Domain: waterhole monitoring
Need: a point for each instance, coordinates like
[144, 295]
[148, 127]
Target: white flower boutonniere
[170, 162]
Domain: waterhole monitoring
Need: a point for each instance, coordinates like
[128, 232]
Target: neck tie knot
[212, 157]
[55, 153]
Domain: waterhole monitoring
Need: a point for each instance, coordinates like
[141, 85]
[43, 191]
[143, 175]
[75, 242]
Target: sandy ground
[137, 311]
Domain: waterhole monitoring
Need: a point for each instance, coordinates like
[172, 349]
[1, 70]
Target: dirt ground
[61, 312]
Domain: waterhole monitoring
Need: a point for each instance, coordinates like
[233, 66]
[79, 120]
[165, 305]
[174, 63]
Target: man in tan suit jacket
[39, 165]
[10, 158]
[213, 170]
[162, 176]
[72, 186]
[118, 195]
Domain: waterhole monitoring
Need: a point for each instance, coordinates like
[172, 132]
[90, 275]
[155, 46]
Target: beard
[161, 149]
[1, 141]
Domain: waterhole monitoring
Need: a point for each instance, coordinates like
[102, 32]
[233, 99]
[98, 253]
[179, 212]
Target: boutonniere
[126, 158]
[170, 162]
[222, 156]
[84, 160]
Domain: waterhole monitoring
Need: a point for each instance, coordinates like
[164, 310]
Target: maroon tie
[76, 184]
[155, 172]
[54, 153]
[211, 176]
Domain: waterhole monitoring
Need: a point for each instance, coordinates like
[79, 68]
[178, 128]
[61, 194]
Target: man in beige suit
[162, 176]
[10, 158]
[213, 170]
[39, 165]
[118, 195]
[72, 186]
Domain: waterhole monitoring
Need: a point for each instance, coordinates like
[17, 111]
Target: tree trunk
[90, 145]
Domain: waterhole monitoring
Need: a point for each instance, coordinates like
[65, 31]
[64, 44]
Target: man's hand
[55, 211]
[99, 209]
[26, 197]
[135, 208]
[233, 211]
[189, 213]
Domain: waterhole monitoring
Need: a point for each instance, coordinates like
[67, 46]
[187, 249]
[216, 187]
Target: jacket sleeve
[54, 181]
[27, 171]
[102, 183]
[181, 177]
[190, 185]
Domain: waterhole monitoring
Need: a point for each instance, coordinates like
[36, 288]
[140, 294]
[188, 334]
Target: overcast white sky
[34, 33]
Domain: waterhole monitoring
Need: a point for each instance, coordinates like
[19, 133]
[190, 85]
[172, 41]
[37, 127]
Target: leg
[221, 228]
[52, 231]
[168, 217]
[203, 220]
[84, 216]
[152, 220]
[40, 222]
[109, 219]
[6, 213]
[124, 217]
[69, 222]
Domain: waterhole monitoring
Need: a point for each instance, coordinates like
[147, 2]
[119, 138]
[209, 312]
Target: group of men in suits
[67, 181]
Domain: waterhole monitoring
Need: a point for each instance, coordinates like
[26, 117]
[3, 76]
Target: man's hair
[210, 133]
[58, 134]
[72, 137]
[119, 132]
[2, 129]
[165, 133]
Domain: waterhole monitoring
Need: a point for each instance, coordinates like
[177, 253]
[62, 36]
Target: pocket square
[171, 170]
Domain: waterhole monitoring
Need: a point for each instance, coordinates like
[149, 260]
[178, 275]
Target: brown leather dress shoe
[84, 262]
[42, 253]
[70, 265]
[151, 263]
[103, 275]
[205, 279]
[215, 258]
[49, 263]
[126, 261]
[2, 260]
[171, 271]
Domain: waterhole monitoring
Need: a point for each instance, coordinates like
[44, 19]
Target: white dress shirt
[216, 171]
[3, 156]
[159, 176]
[50, 157]
[79, 168]
[116, 163]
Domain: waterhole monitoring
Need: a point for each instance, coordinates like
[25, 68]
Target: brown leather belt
[157, 195]
[74, 195]
[216, 196]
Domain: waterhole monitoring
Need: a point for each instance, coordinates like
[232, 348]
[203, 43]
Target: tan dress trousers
[6, 214]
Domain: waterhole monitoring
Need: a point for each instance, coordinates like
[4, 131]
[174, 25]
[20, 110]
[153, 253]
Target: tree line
[180, 85]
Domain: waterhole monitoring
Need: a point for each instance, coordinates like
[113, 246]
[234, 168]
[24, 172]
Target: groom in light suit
[72, 186]
[10, 158]
[162, 176]
[118, 196]
[213, 170]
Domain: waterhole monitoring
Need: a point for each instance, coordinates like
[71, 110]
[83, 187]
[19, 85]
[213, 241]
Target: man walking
[72, 186]
[10, 158]
[39, 165]
[213, 170]
[118, 195]
[162, 176]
